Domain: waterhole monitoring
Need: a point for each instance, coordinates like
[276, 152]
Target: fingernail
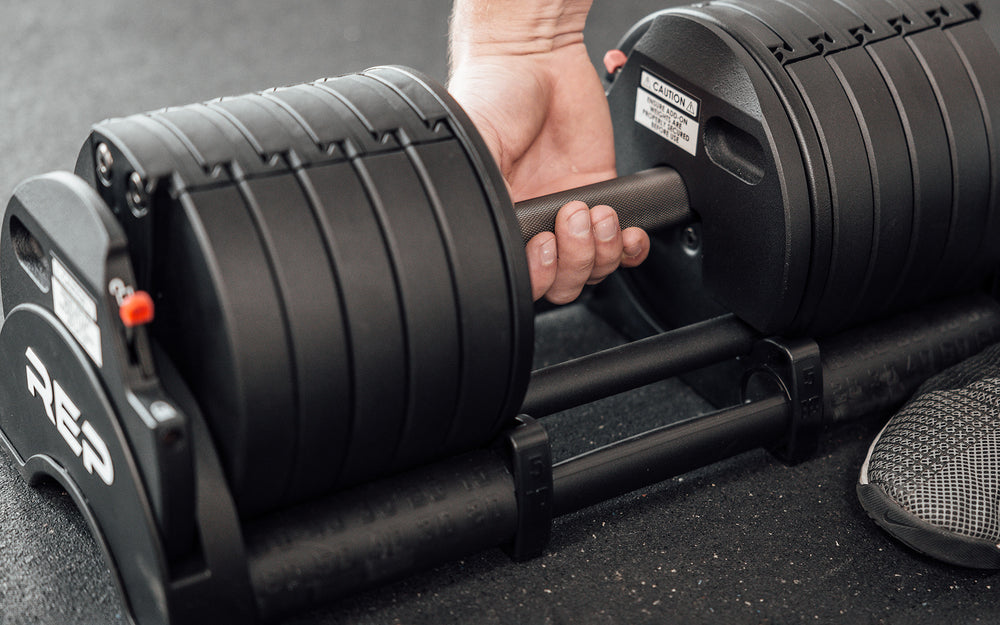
[606, 230]
[633, 251]
[579, 223]
[548, 253]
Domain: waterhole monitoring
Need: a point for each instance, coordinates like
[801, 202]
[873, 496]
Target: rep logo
[81, 437]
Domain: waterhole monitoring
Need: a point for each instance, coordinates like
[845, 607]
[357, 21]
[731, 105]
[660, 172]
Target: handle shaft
[651, 199]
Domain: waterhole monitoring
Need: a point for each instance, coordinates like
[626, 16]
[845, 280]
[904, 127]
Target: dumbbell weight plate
[892, 182]
[499, 359]
[480, 279]
[426, 427]
[427, 304]
[318, 325]
[849, 177]
[231, 349]
[970, 159]
[374, 325]
[310, 303]
[931, 166]
[982, 59]
[243, 400]
[738, 270]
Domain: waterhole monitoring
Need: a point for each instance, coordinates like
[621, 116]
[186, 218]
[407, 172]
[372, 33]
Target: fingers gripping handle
[651, 199]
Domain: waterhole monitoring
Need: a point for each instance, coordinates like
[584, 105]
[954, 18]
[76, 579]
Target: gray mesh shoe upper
[939, 457]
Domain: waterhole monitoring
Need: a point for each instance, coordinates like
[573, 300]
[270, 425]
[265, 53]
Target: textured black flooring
[748, 540]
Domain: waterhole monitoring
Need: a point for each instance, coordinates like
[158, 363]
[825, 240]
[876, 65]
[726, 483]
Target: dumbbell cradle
[343, 326]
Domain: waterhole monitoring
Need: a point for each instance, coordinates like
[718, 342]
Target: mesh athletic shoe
[932, 476]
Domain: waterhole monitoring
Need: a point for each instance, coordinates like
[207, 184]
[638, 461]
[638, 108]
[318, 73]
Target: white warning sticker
[669, 112]
[77, 309]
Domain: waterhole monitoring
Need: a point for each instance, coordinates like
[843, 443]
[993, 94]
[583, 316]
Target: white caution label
[77, 309]
[674, 96]
[668, 112]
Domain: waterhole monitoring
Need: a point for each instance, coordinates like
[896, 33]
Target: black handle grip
[651, 199]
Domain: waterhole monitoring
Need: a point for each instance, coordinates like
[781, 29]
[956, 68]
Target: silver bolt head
[104, 163]
[136, 197]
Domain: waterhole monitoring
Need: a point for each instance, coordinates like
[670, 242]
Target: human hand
[522, 73]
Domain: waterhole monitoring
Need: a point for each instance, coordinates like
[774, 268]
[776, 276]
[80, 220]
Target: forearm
[505, 27]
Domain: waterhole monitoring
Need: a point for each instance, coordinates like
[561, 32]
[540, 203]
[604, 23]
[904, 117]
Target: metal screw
[691, 240]
[104, 164]
[137, 198]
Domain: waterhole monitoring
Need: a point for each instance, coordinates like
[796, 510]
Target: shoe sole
[920, 535]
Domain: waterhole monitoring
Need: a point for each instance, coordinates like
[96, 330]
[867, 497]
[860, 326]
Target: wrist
[515, 27]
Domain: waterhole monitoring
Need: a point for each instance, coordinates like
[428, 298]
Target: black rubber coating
[428, 304]
[211, 142]
[850, 188]
[247, 379]
[327, 120]
[820, 201]
[970, 160]
[875, 28]
[310, 302]
[481, 270]
[846, 23]
[315, 329]
[482, 291]
[788, 24]
[931, 166]
[372, 312]
[891, 180]
[981, 59]
[828, 31]
[270, 127]
[765, 284]
[494, 188]
[651, 199]
[900, 16]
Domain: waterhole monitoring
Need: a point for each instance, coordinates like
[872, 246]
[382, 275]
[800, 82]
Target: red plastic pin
[136, 309]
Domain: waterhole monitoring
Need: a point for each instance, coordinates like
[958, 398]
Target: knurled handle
[651, 199]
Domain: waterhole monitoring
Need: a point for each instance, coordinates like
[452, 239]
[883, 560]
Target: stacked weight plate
[874, 127]
[330, 268]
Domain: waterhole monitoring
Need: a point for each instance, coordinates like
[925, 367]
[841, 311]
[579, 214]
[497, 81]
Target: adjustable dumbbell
[341, 291]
